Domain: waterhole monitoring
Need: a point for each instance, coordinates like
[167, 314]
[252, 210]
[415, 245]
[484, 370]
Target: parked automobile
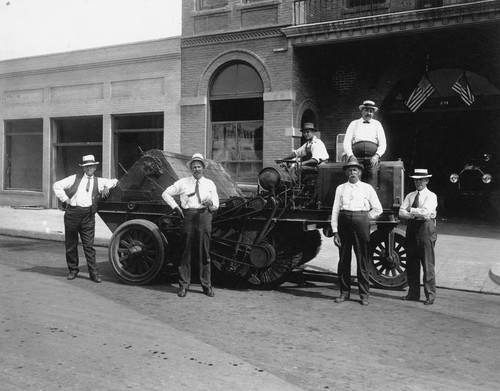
[474, 187]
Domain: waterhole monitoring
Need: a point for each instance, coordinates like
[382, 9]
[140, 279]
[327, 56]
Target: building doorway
[236, 121]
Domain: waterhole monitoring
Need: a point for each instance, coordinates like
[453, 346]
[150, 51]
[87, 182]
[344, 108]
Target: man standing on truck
[80, 193]
[365, 139]
[419, 209]
[355, 204]
[199, 198]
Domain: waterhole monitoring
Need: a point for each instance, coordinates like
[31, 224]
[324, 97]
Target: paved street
[78, 335]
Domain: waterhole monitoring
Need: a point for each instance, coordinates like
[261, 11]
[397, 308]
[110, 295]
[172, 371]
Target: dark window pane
[24, 155]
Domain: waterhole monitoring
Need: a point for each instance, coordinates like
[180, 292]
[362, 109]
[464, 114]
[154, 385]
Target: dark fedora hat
[353, 162]
[308, 126]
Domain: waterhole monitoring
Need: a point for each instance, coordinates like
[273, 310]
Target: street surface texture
[57, 334]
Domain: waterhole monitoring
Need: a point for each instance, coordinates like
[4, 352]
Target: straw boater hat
[369, 104]
[420, 173]
[197, 157]
[88, 160]
[353, 162]
[308, 126]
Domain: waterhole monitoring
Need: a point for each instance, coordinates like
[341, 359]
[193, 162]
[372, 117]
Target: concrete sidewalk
[467, 254]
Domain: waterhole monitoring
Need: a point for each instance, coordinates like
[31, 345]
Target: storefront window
[238, 147]
[134, 133]
[208, 4]
[237, 114]
[74, 138]
[23, 155]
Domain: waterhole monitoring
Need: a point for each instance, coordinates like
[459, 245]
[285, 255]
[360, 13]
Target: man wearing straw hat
[199, 198]
[80, 193]
[419, 209]
[365, 139]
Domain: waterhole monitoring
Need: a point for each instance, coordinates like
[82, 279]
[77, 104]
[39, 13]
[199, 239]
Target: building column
[107, 147]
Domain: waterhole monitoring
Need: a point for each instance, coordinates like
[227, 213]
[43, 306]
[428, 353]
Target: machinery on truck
[257, 239]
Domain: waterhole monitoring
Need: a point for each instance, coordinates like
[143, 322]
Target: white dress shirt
[427, 204]
[360, 131]
[355, 197]
[318, 150]
[185, 187]
[82, 197]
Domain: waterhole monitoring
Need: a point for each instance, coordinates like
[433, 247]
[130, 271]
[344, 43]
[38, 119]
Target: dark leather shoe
[410, 298]
[364, 302]
[96, 278]
[429, 302]
[341, 299]
[209, 292]
[182, 292]
[72, 276]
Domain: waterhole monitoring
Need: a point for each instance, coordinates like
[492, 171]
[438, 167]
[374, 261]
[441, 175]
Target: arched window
[237, 118]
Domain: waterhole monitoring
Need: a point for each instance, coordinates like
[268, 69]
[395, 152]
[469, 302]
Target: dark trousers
[364, 151]
[370, 174]
[79, 221]
[420, 241]
[195, 239]
[354, 231]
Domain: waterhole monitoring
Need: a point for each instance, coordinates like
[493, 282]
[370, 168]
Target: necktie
[415, 201]
[197, 191]
[88, 185]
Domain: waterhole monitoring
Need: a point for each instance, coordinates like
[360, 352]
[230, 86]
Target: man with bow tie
[419, 209]
[80, 193]
[199, 199]
[365, 139]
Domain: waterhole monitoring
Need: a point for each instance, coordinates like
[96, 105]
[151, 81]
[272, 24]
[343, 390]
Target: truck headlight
[486, 178]
[454, 178]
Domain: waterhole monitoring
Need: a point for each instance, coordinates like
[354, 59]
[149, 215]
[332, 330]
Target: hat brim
[89, 164]
[368, 107]
[353, 165]
[204, 162]
[420, 176]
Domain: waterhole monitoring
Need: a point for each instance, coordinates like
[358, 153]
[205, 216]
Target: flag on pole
[420, 94]
[462, 88]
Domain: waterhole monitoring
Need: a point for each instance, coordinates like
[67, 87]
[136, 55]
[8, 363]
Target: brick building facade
[242, 79]
[108, 101]
[318, 60]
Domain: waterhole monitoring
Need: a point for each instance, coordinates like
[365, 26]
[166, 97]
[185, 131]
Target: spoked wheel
[388, 262]
[289, 248]
[136, 251]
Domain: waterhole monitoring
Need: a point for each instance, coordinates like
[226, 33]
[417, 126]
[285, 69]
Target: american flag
[420, 94]
[462, 88]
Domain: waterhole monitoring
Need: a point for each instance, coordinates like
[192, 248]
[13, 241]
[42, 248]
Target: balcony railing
[317, 11]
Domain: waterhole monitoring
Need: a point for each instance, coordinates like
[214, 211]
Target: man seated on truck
[312, 153]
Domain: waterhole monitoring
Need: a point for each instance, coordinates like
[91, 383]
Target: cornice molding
[101, 64]
[232, 37]
[461, 14]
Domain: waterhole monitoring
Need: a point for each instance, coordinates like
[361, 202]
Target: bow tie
[366, 122]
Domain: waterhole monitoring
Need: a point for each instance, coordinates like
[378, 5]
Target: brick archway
[231, 56]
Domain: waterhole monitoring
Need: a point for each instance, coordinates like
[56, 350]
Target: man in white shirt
[313, 152]
[355, 204]
[365, 139]
[80, 193]
[199, 198]
[419, 209]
